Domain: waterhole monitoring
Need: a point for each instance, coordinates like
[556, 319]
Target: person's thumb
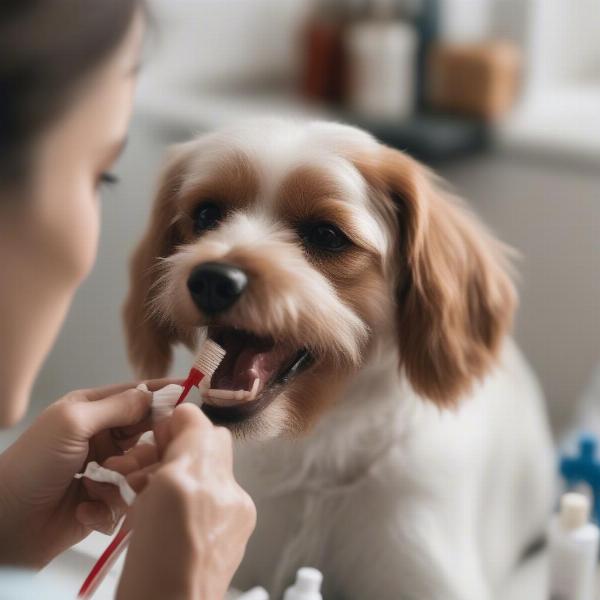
[120, 410]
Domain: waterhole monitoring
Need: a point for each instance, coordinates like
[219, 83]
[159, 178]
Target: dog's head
[303, 249]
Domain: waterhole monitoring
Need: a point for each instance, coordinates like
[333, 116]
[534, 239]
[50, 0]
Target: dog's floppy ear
[456, 299]
[149, 339]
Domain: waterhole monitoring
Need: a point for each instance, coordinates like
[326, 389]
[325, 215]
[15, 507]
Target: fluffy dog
[388, 429]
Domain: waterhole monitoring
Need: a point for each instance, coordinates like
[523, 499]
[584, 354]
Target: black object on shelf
[427, 24]
[432, 138]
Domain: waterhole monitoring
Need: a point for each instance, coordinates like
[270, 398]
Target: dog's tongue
[247, 359]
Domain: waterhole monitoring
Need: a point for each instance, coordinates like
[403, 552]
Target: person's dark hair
[47, 48]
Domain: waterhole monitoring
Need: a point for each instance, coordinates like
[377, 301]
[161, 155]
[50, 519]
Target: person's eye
[108, 179]
[324, 236]
[207, 216]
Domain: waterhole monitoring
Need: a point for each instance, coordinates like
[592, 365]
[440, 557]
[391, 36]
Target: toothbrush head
[209, 358]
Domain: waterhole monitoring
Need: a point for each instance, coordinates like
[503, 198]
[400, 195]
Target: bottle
[307, 586]
[573, 550]
[322, 72]
[256, 593]
[381, 54]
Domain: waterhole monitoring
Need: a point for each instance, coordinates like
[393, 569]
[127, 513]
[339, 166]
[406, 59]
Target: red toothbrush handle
[105, 562]
[119, 542]
[193, 379]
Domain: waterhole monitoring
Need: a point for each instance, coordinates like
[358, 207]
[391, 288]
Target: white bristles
[209, 358]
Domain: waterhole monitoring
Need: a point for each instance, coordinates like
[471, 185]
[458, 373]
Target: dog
[386, 425]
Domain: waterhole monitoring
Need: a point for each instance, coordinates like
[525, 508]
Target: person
[67, 77]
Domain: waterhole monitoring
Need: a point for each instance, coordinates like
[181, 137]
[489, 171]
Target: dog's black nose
[216, 286]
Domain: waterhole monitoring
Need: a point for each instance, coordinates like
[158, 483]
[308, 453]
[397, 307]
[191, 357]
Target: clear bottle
[573, 550]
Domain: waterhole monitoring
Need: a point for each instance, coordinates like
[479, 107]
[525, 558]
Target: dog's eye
[206, 216]
[324, 236]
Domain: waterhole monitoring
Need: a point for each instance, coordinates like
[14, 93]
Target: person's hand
[191, 520]
[43, 510]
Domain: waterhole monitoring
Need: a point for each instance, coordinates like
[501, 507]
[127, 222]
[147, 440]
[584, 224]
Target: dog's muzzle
[215, 286]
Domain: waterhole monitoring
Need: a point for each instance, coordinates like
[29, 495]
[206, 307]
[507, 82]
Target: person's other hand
[43, 510]
[191, 520]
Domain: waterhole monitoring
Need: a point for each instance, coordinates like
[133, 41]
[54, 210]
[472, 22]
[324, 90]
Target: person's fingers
[188, 415]
[138, 480]
[125, 408]
[105, 492]
[185, 416]
[129, 432]
[125, 437]
[189, 432]
[162, 434]
[95, 394]
[97, 516]
[137, 458]
[74, 417]
[107, 495]
[126, 442]
[157, 384]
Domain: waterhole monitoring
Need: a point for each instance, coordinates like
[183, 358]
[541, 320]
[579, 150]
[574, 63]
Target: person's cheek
[75, 235]
[87, 232]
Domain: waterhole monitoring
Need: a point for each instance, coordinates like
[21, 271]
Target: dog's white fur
[389, 495]
[394, 499]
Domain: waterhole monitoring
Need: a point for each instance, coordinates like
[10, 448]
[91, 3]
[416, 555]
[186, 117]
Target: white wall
[203, 43]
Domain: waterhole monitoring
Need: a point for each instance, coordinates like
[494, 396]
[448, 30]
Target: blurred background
[502, 97]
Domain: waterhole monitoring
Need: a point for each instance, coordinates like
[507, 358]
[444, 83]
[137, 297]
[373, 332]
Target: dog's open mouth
[252, 373]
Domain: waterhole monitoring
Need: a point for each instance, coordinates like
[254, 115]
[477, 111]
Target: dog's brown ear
[456, 299]
[149, 338]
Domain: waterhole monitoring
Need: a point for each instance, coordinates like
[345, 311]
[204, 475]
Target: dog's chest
[301, 489]
[294, 529]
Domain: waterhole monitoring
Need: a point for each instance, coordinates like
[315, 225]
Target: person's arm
[191, 520]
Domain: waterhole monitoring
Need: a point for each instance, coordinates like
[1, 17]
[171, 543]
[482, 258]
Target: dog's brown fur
[445, 286]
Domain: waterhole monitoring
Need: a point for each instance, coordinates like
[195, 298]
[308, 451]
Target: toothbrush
[104, 564]
[207, 362]
[209, 358]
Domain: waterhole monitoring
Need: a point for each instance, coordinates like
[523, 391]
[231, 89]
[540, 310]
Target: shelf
[431, 138]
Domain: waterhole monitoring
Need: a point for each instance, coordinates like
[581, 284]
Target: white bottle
[256, 593]
[382, 58]
[307, 586]
[573, 549]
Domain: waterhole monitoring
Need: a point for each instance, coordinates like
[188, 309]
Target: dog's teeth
[222, 394]
[233, 396]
